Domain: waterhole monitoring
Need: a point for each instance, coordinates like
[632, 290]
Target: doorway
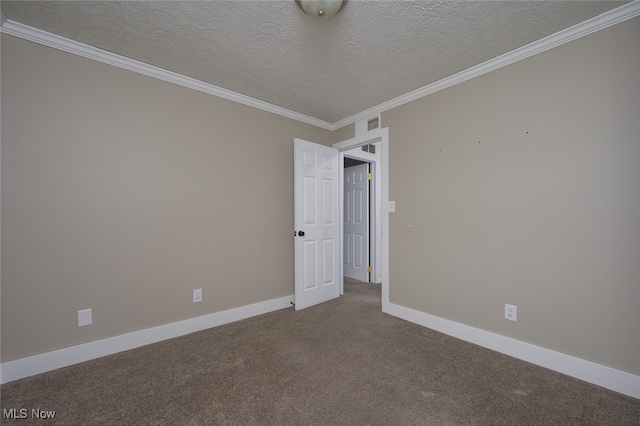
[319, 222]
[356, 216]
[360, 241]
[378, 161]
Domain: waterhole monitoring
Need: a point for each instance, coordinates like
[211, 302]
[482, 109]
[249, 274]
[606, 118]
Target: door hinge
[369, 176]
[370, 269]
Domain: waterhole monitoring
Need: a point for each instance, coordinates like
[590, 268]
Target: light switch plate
[392, 206]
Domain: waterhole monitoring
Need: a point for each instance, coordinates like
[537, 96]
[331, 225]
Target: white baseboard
[607, 377]
[32, 365]
[597, 374]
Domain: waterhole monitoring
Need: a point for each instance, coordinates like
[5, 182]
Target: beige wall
[344, 133]
[123, 193]
[523, 186]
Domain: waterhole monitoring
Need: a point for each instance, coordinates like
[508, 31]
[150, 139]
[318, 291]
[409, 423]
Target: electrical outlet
[510, 312]
[84, 317]
[197, 295]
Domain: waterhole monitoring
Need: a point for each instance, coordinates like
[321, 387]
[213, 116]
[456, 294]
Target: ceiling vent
[368, 124]
[369, 148]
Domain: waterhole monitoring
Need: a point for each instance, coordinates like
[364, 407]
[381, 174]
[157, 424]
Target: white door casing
[356, 222]
[381, 200]
[316, 221]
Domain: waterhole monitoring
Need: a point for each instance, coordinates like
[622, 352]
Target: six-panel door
[316, 216]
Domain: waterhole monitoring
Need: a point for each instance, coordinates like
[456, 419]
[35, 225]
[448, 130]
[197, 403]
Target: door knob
[300, 233]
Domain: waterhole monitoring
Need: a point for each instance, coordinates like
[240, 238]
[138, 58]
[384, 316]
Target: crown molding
[600, 22]
[35, 35]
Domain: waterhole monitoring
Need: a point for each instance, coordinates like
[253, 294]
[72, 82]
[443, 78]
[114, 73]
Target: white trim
[36, 364]
[51, 40]
[607, 377]
[602, 21]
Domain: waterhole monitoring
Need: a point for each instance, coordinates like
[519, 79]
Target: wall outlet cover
[510, 312]
[84, 317]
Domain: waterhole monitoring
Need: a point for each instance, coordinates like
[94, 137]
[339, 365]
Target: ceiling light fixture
[322, 9]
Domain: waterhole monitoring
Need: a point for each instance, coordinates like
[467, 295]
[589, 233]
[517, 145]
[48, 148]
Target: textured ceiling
[371, 52]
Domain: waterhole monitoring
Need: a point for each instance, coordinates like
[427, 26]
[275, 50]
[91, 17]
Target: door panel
[317, 229]
[356, 222]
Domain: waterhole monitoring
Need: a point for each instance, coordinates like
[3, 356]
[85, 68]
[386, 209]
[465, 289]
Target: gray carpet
[340, 363]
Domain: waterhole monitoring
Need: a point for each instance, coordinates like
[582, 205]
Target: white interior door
[317, 231]
[356, 222]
